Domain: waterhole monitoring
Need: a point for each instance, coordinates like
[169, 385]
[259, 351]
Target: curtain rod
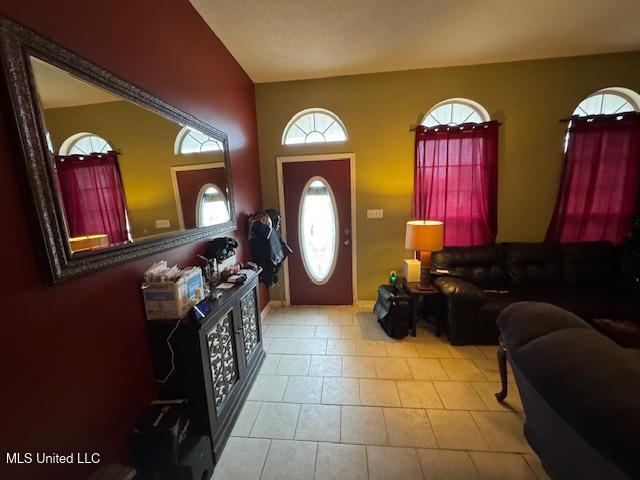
[413, 128]
[587, 117]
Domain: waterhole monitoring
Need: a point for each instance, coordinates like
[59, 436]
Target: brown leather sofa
[479, 282]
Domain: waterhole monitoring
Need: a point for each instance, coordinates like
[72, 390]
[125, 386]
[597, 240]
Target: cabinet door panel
[250, 327]
[223, 359]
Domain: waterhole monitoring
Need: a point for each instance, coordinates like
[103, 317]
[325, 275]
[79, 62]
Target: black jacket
[269, 251]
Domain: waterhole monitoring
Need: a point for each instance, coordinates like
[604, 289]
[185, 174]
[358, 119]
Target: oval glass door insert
[318, 230]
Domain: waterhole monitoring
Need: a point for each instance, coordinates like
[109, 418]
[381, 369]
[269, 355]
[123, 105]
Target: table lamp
[424, 236]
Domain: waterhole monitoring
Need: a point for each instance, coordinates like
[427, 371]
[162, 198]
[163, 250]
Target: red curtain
[92, 195]
[599, 186]
[455, 181]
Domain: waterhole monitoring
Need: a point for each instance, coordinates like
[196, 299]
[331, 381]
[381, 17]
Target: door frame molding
[280, 161]
[176, 188]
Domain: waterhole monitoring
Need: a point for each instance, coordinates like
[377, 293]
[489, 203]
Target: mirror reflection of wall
[119, 166]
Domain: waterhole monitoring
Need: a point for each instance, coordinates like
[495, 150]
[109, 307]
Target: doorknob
[347, 243]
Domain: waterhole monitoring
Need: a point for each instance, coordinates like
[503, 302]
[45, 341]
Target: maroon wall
[78, 369]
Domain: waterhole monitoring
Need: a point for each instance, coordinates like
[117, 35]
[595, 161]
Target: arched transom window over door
[455, 111]
[314, 125]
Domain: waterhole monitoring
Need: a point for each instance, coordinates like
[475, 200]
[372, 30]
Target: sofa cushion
[483, 265]
[588, 263]
[587, 379]
[587, 303]
[533, 264]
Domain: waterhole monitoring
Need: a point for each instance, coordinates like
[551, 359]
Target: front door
[317, 211]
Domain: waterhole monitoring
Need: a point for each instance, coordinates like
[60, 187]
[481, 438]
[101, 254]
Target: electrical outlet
[163, 224]
[378, 213]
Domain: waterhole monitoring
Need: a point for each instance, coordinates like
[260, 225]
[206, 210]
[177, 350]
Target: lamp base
[425, 271]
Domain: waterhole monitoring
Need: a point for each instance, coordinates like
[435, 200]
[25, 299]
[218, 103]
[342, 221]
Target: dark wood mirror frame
[17, 45]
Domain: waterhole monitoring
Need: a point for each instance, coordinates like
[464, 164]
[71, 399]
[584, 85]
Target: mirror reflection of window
[212, 207]
[114, 164]
[190, 140]
[84, 143]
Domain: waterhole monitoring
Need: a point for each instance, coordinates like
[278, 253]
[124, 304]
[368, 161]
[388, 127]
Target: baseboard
[360, 304]
[270, 306]
[368, 304]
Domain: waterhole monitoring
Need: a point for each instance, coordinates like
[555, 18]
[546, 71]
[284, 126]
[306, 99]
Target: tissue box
[171, 300]
[411, 270]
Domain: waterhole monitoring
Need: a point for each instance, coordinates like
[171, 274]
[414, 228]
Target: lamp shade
[424, 235]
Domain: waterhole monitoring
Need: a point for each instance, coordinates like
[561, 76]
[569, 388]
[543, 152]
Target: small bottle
[393, 278]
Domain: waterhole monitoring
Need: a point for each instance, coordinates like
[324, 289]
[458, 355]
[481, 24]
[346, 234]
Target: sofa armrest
[459, 288]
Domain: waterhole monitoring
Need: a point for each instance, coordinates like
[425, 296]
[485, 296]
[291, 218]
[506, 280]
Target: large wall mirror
[113, 172]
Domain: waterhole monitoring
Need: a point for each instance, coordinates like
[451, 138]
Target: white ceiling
[294, 39]
[58, 88]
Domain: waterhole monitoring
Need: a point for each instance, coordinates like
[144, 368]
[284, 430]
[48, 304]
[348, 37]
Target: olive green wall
[529, 98]
[145, 144]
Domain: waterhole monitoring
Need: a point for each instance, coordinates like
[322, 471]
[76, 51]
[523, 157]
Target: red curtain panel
[455, 181]
[92, 195]
[599, 187]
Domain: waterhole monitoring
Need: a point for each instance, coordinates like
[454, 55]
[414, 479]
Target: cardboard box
[172, 300]
[411, 270]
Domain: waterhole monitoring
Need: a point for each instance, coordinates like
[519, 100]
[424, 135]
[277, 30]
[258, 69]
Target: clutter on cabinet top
[169, 292]
[219, 259]
[221, 248]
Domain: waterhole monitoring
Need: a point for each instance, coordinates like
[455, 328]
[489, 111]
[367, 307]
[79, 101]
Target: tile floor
[338, 399]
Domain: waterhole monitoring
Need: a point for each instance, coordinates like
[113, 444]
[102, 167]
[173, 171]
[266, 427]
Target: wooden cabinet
[215, 360]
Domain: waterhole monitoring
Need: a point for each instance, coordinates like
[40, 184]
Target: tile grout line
[435, 437]
[415, 450]
[315, 463]
[366, 459]
[254, 420]
[484, 437]
[295, 429]
[264, 462]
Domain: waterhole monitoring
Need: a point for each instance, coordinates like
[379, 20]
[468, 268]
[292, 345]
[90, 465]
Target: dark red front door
[317, 196]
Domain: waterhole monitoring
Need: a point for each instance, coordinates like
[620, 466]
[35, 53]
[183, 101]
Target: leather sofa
[479, 282]
[579, 391]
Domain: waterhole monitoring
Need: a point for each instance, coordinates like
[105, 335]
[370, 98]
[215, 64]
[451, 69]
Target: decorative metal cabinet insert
[248, 307]
[222, 359]
[216, 360]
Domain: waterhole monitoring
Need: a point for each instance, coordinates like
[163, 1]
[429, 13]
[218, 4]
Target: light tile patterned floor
[338, 399]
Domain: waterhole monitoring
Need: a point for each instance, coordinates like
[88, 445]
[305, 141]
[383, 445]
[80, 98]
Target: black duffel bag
[393, 309]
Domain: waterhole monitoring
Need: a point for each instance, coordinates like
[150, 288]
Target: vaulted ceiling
[277, 40]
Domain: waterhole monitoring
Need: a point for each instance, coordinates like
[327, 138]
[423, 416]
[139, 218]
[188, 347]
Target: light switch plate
[163, 224]
[378, 213]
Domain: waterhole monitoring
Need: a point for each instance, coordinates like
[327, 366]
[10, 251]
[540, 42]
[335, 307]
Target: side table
[430, 299]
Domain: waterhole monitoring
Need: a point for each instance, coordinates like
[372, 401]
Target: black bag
[393, 309]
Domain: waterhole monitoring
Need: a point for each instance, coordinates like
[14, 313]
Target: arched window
[455, 111]
[314, 125]
[609, 101]
[190, 140]
[456, 171]
[84, 143]
[597, 198]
